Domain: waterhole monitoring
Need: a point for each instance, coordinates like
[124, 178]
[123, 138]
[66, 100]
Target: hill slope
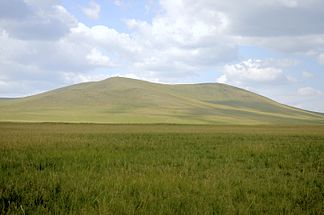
[123, 100]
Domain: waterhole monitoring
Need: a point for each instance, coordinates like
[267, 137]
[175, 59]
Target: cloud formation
[307, 74]
[308, 91]
[92, 10]
[253, 71]
[35, 21]
[42, 44]
[97, 58]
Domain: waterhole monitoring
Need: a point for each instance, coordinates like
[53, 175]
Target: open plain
[49, 168]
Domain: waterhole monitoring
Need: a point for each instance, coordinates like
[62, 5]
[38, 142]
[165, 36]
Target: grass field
[160, 169]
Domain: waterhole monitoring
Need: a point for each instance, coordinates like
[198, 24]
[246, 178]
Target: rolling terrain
[124, 100]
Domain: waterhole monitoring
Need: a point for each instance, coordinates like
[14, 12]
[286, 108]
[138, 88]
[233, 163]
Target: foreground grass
[160, 169]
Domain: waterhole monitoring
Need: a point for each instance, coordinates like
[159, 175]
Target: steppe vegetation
[160, 169]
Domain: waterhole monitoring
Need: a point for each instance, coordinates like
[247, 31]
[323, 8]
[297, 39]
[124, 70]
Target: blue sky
[271, 47]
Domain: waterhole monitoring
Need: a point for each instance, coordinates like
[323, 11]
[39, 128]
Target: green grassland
[123, 100]
[160, 169]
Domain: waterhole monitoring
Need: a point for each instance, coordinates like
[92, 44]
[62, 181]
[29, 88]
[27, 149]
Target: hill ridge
[126, 100]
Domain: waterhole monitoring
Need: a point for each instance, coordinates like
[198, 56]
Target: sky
[271, 47]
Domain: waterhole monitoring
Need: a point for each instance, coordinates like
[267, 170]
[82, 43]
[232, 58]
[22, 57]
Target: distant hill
[124, 100]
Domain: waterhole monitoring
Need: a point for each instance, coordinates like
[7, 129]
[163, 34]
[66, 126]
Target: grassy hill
[123, 100]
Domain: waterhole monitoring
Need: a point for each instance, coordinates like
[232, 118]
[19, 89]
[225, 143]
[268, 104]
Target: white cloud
[310, 45]
[252, 71]
[92, 10]
[118, 2]
[106, 38]
[17, 88]
[320, 58]
[73, 78]
[175, 45]
[307, 74]
[262, 18]
[290, 3]
[41, 41]
[40, 63]
[96, 58]
[33, 21]
[272, 18]
[293, 26]
[308, 91]
[14, 9]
